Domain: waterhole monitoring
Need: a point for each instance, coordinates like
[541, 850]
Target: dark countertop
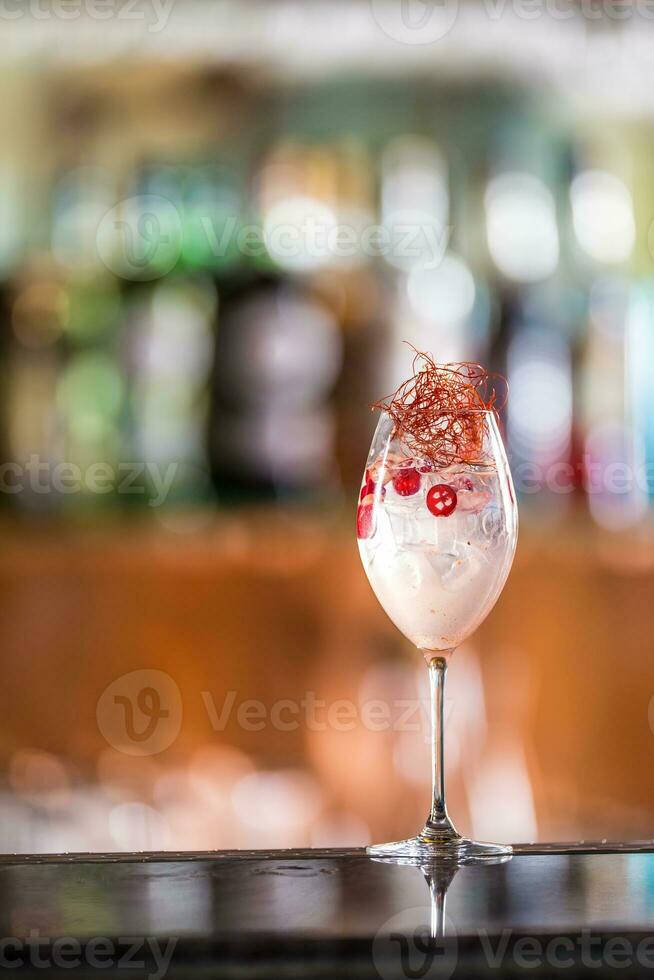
[561, 910]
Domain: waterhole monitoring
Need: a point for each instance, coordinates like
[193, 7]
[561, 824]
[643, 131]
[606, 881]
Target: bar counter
[551, 910]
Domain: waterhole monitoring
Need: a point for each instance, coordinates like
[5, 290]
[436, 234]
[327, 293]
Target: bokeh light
[521, 227]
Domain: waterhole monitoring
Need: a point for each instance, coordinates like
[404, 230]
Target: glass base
[455, 850]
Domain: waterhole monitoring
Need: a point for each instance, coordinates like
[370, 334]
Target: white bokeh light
[445, 294]
[414, 202]
[521, 228]
[603, 216]
[299, 231]
[540, 407]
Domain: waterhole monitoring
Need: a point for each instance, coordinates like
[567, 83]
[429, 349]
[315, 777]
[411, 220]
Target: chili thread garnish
[439, 413]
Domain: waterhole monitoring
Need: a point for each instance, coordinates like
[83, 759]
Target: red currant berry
[368, 487]
[441, 500]
[407, 482]
[365, 521]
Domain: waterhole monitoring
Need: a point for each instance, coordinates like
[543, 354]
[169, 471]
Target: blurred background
[219, 221]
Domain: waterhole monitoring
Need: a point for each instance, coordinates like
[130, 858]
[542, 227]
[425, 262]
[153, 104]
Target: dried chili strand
[439, 412]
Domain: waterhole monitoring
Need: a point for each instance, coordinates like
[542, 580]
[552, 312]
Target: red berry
[462, 483]
[365, 521]
[369, 488]
[407, 482]
[441, 500]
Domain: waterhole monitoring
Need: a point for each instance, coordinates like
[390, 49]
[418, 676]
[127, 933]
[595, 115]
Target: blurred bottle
[170, 340]
[278, 354]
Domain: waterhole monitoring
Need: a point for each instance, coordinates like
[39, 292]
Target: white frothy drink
[437, 575]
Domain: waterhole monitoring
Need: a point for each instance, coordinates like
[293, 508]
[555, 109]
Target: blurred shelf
[279, 541]
[598, 60]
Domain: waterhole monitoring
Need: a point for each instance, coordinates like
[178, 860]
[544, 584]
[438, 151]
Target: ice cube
[412, 527]
[407, 570]
[472, 500]
[400, 527]
[442, 561]
[463, 567]
[493, 527]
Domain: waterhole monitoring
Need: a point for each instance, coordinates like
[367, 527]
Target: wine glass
[437, 543]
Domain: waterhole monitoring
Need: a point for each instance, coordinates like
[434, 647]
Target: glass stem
[437, 896]
[438, 825]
